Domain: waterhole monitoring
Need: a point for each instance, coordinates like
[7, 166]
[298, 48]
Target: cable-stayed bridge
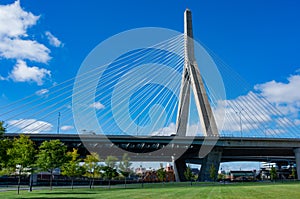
[154, 103]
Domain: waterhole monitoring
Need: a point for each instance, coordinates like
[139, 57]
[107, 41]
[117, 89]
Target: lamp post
[241, 124]
[58, 122]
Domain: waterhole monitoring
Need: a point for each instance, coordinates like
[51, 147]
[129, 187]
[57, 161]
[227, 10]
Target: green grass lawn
[170, 191]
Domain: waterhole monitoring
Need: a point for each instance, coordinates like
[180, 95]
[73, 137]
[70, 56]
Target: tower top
[188, 35]
[188, 27]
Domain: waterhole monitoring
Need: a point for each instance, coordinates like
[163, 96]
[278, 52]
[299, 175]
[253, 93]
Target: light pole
[58, 122]
[241, 124]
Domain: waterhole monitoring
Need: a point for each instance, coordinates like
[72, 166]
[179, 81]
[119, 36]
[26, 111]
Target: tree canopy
[124, 165]
[2, 128]
[72, 168]
[161, 174]
[5, 144]
[212, 172]
[21, 155]
[188, 174]
[111, 161]
[91, 167]
[22, 152]
[273, 173]
[52, 155]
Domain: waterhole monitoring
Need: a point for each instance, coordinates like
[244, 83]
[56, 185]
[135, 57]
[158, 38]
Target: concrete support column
[213, 158]
[179, 168]
[297, 157]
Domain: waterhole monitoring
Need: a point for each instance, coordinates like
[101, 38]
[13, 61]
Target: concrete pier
[297, 157]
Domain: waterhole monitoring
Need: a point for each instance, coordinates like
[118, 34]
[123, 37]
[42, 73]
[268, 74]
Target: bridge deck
[233, 149]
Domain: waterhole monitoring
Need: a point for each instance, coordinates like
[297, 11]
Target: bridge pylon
[191, 79]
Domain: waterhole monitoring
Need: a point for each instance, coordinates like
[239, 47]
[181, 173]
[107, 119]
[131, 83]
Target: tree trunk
[72, 182]
[109, 184]
[90, 183]
[125, 182]
[30, 182]
[93, 182]
[19, 181]
[51, 179]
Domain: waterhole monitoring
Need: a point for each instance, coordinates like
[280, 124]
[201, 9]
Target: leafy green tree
[91, 167]
[221, 176]
[161, 174]
[21, 155]
[2, 128]
[273, 173]
[72, 168]
[188, 174]
[124, 166]
[5, 144]
[111, 161]
[109, 173]
[294, 174]
[52, 155]
[110, 168]
[212, 172]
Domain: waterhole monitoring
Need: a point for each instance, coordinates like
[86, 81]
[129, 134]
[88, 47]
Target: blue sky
[257, 39]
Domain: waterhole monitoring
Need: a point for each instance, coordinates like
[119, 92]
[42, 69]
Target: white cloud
[285, 96]
[192, 130]
[30, 125]
[165, 131]
[42, 92]
[15, 48]
[14, 22]
[54, 41]
[272, 109]
[97, 105]
[244, 112]
[23, 73]
[66, 128]
[279, 92]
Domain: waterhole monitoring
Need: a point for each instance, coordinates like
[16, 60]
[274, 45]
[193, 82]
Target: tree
[2, 128]
[221, 177]
[273, 173]
[21, 155]
[91, 167]
[188, 174]
[124, 166]
[52, 155]
[111, 161]
[72, 168]
[161, 174]
[294, 174]
[110, 170]
[109, 173]
[212, 172]
[5, 144]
